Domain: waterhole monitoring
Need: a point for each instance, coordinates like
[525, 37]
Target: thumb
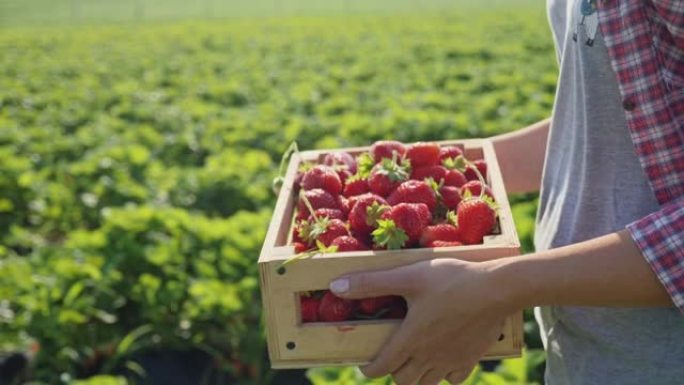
[397, 281]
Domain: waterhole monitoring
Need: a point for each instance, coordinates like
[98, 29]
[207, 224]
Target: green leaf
[74, 291]
[127, 344]
[68, 316]
[102, 380]
[515, 369]
[6, 205]
[475, 377]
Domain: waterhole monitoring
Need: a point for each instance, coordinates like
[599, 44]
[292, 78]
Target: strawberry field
[136, 163]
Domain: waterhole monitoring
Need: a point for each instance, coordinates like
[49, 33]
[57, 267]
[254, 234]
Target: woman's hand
[456, 313]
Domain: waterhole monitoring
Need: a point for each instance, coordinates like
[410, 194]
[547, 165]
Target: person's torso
[593, 185]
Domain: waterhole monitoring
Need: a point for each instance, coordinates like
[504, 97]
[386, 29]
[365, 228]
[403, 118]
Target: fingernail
[340, 286]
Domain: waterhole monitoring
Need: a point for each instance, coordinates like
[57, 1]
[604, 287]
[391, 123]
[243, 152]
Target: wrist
[515, 281]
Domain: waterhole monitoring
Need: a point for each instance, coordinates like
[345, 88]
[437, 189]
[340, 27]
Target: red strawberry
[302, 215]
[335, 309]
[295, 233]
[414, 191]
[322, 177]
[319, 199]
[372, 306]
[300, 247]
[355, 187]
[475, 188]
[401, 226]
[344, 174]
[470, 174]
[387, 176]
[437, 173]
[365, 213]
[309, 308]
[327, 230]
[451, 197]
[343, 204]
[455, 178]
[397, 309]
[424, 214]
[327, 213]
[444, 244]
[344, 159]
[348, 243]
[481, 167]
[458, 163]
[441, 232]
[423, 154]
[476, 218]
[449, 152]
[301, 170]
[352, 200]
[386, 149]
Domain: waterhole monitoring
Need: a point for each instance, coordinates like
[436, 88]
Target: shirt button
[628, 104]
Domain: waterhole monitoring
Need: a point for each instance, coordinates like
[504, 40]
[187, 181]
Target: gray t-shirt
[593, 185]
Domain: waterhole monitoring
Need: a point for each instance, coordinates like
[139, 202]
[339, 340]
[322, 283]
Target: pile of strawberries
[324, 306]
[392, 197]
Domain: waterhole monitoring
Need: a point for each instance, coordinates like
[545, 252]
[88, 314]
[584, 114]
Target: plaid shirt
[645, 40]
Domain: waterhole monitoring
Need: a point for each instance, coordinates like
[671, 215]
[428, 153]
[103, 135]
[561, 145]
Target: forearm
[606, 271]
[521, 156]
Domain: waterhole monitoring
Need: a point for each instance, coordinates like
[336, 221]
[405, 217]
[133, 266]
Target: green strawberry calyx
[364, 165]
[396, 172]
[358, 176]
[458, 163]
[305, 166]
[388, 235]
[317, 228]
[452, 218]
[434, 185]
[374, 212]
[468, 196]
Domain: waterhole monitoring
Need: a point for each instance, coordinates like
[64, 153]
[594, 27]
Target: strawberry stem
[321, 249]
[478, 174]
[308, 205]
[282, 169]
[480, 177]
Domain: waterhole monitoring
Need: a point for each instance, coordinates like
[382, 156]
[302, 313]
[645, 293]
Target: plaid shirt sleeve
[672, 18]
[660, 237]
[645, 41]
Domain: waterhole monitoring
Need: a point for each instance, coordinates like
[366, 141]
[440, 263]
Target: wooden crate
[294, 345]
